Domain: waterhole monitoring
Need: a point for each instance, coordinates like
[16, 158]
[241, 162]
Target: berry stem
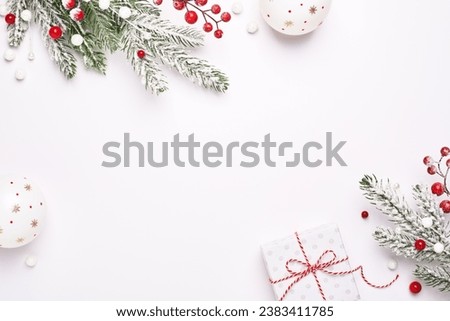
[204, 12]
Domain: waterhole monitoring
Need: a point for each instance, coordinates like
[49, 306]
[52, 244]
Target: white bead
[31, 261]
[398, 230]
[20, 74]
[125, 12]
[392, 264]
[438, 248]
[31, 56]
[104, 4]
[237, 7]
[77, 40]
[3, 10]
[86, 0]
[427, 222]
[9, 55]
[26, 15]
[252, 27]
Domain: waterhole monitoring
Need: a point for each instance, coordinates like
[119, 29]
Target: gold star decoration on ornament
[20, 240]
[27, 187]
[288, 23]
[34, 223]
[16, 208]
[313, 10]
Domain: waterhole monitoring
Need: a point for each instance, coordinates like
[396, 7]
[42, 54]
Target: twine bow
[326, 260]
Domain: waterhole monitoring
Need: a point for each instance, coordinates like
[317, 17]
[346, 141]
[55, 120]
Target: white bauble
[124, 12]
[77, 40]
[26, 15]
[22, 211]
[392, 264]
[427, 222]
[237, 7]
[9, 55]
[252, 27]
[104, 4]
[20, 74]
[438, 248]
[294, 18]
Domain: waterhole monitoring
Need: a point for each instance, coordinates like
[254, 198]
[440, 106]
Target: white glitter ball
[125, 12]
[237, 7]
[427, 222]
[77, 40]
[438, 248]
[20, 74]
[104, 4]
[9, 55]
[26, 15]
[31, 261]
[392, 264]
[252, 27]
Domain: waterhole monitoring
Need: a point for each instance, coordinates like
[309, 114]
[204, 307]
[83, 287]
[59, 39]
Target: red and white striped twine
[320, 265]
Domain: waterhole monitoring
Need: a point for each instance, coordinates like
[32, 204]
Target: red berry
[77, 14]
[191, 17]
[201, 3]
[415, 287]
[10, 19]
[141, 54]
[364, 214]
[157, 2]
[445, 151]
[215, 9]
[427, 160]
[207, 27]
[226, 16]
[55, 32]
[437, 189]
[179, 4]
[431, 170]
[218, 33]
[445, 206]
[448, 162]
[420, 245]
[69, 4]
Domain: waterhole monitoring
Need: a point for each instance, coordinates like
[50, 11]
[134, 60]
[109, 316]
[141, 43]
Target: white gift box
[295, 277]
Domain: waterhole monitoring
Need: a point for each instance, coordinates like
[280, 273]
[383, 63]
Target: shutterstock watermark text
[187, 151]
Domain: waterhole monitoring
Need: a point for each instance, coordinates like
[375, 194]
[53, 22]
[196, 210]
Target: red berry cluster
[210, 16]
[441, 168]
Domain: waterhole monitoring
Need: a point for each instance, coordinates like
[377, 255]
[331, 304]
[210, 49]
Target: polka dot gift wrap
[282, 258]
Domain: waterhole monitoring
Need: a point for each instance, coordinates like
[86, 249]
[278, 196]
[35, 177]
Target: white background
[375, 74]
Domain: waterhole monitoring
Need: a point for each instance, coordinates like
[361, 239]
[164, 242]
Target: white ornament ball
[3, 10]
[20, 74]
[252, 27]
[104, 4]
[31, 261]
[77, 40]
[124, 12]
[427, 222]
[438, 248]
[398, 230]
[26, 15]
[294, 18]
[9, 55]
[392, 264]
[237, 7]
[22, 211]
